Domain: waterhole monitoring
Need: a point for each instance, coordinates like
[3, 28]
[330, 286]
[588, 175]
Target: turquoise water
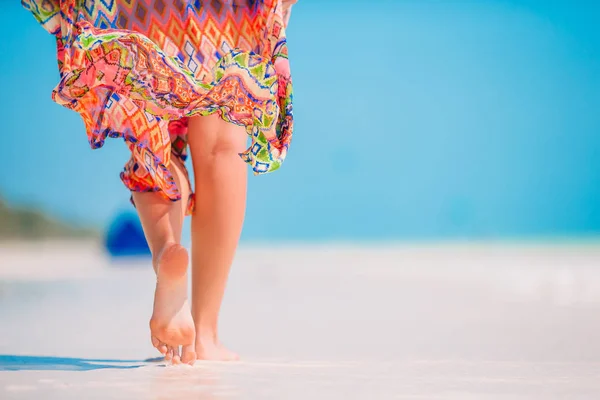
[414, 120]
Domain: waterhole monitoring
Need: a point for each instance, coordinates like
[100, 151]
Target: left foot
[172, 324]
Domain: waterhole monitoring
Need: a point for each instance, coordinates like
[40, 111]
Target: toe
[161, 347]
[176, 357]
[188, 354]
[169, 354]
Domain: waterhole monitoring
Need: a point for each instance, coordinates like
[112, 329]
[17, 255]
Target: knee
[215, 144]
[224, 151]
[227, 147]
[220, 161]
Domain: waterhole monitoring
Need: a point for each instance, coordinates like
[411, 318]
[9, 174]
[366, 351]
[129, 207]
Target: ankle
[206, 336]
[172, 260]
[157, 254]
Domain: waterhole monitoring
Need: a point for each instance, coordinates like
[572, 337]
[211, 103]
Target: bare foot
[212, 350]
[171, 324]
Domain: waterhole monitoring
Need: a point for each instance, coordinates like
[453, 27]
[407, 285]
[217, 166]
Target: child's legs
[162, 220]
[220, 183]
[171, 324]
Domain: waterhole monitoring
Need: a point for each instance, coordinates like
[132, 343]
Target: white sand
[444, 322]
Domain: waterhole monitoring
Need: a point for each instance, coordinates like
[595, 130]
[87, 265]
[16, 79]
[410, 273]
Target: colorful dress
[136, 69]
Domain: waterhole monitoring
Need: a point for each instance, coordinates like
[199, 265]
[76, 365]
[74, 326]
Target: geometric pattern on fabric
[137, 69]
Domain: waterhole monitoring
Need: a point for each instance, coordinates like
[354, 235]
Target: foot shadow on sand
[42, 363]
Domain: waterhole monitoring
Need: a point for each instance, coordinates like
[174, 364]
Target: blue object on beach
[43, 363]
[125, 237]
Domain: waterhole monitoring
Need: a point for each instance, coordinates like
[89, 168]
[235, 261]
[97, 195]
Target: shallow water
[441, 322]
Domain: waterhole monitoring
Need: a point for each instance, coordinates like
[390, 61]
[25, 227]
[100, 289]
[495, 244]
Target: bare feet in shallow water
[171, 324]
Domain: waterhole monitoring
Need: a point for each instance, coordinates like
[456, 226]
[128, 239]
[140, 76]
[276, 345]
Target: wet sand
[339, 322]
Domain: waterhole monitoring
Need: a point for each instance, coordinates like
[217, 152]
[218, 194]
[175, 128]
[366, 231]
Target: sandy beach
[323, 322]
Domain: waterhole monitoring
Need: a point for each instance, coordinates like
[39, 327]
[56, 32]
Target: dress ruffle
[124, 85]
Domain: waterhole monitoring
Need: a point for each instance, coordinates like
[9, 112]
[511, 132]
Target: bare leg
[171, 324]
[220, 181]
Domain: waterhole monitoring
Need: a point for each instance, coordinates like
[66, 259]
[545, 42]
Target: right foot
[211, 350]
[171, 324]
